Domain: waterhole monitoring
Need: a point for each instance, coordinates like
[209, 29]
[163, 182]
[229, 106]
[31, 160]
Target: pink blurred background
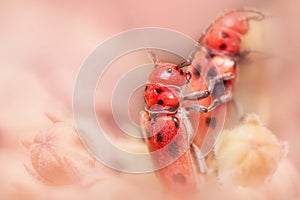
[43, 44]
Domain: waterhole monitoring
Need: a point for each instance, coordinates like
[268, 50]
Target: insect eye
[169, 70]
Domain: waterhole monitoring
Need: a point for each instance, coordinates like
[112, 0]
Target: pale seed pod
[248, 154]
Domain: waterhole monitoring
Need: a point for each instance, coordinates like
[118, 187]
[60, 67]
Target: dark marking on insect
[226, 83]
[197, 71]
[181, 72]
[158, 91]
[219, 90]
[173, 149]
[225, 35]
[159, 137]
[223, 46]
[211, 122]
[160, 102]
[169, 70]
[179, 178]
[146, 87]
[176, 121]
[212, 72]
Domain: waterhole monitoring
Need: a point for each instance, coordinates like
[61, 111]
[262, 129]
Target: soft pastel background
[43, 44]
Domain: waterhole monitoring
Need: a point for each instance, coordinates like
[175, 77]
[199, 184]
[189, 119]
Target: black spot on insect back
[223, 46]
[211, 122]
[207, 120]
[179, 178]
[160, 102]
[173, 149]
[181, 72]
[159, 137]
[176, 122]
[158, 91]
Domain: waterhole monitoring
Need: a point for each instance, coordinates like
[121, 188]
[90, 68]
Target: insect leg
[191, 57]
[185, 63]
[217, 79]
[200, 158]
[223, 99]
[197, 95]
[197, 107]
[238, 108]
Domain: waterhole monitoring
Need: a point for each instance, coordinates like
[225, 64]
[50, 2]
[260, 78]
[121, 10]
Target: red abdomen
[168, 142]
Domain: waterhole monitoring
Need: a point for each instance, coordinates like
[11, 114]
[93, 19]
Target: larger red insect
[166, 126]
[211, 72]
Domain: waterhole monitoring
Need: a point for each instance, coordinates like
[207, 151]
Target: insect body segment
[161, 98]
[168, 74]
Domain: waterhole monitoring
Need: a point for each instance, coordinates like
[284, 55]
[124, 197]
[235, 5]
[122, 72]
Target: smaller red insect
[222, 42]
[213, 66]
